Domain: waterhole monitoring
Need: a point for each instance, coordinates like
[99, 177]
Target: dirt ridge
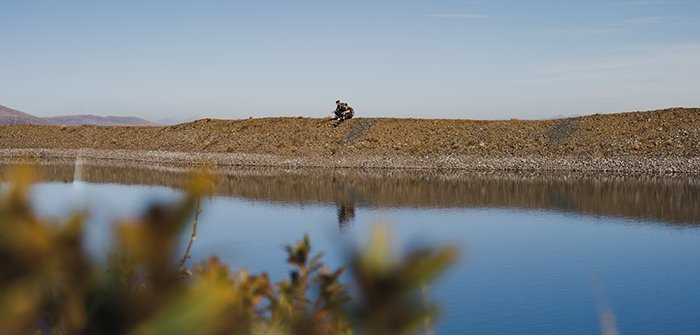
[662, 136]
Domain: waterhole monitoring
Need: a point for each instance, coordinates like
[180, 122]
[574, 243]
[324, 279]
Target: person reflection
[346, 213]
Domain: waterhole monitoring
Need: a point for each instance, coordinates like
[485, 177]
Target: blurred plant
[182, 267]
[48, 284]
[392, 290]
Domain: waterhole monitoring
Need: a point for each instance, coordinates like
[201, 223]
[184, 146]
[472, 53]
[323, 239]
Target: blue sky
[415, 58]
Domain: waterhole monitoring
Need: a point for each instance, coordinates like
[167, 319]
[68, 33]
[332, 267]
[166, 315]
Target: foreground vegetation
[48, 284]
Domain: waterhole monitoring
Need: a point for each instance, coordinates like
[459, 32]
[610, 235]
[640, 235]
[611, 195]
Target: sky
[497, 59]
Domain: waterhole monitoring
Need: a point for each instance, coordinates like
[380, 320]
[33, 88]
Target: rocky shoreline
[225, 161]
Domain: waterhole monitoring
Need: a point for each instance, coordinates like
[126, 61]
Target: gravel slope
[663, 140]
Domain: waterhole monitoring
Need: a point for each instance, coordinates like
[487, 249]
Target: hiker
[338, 109]
[343, 111]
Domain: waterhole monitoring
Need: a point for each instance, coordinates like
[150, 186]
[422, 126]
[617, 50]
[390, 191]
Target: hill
[9, 116]
[664, 139]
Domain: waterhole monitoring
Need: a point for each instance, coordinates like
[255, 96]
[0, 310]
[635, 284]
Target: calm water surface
[540, 254]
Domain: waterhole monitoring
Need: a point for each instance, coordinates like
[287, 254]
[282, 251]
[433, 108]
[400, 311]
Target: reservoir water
[540, 254]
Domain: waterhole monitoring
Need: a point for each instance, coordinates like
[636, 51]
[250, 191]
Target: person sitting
[338, 110]
[348, 112]
[343, 111]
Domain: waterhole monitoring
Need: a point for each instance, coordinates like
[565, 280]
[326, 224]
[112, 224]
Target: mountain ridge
[10, 116]
[13, 116]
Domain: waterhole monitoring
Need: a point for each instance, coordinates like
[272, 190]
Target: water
[540, 254]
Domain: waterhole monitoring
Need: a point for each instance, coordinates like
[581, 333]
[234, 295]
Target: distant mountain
[79, 120]
[176, 120]
[11, 116]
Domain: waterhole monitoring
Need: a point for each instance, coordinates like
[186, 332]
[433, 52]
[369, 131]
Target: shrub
[48, 283]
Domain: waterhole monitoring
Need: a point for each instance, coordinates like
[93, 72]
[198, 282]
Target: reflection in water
[669, 199]
[78, 170]
[346, 213]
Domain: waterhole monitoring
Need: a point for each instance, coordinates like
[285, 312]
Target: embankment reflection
[674, 200]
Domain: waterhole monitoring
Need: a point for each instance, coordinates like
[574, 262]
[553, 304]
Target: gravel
[655, 142]
[625, 164]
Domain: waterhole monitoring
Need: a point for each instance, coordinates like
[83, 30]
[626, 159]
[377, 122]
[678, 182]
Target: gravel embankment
[656, 142]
